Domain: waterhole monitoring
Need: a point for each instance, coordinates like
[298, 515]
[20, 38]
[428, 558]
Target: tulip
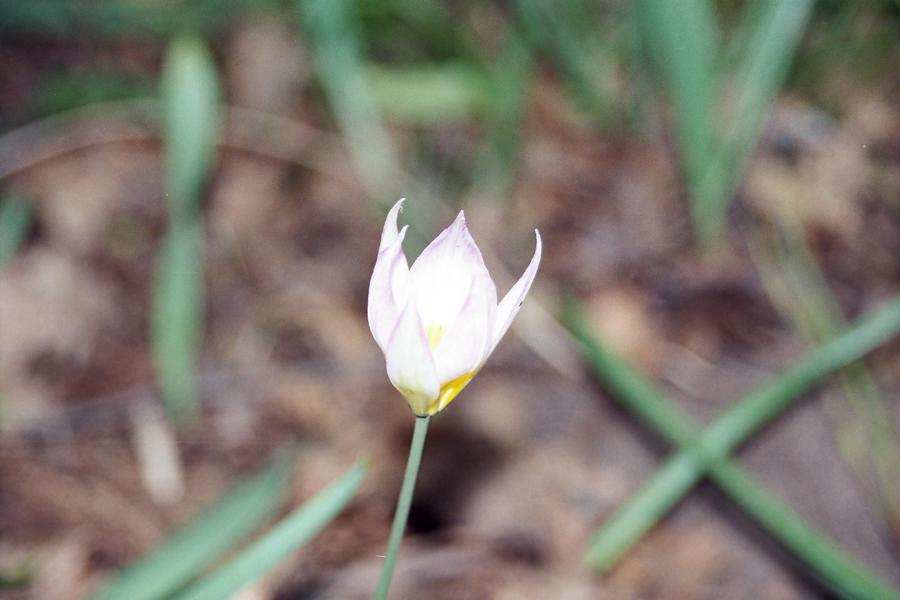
[438, 321]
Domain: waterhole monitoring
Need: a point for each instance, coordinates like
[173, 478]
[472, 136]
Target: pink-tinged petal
[444, 273]
[410, 366]
[388, 290]
[464, 347]
[390, 233]
[513, 300]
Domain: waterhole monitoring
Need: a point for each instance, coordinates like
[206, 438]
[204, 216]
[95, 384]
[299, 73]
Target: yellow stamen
[434, 333]
[449, 391]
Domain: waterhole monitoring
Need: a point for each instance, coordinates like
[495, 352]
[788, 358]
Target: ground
[533, 455]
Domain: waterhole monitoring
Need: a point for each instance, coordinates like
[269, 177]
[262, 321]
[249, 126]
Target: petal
[388, 290]
[389, 233]
[410, 366]
[465, 346]
[513, 300]
[443, 275]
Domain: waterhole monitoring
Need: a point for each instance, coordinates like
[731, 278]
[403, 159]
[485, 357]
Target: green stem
[403, 503]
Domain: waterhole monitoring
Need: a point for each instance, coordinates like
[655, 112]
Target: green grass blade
[799, 291]
[429, 94]
[681, 39]
[190, 91]
[778, 26]
[191, 123]
[774, 30]
[206, 539]
[284, 539]
[177, 319]
[506, 109]
[709, 452]
[831, 566]
[682, 42]
[755, 409]
[338, 61]
[758, 407]
[15, 221]
[630, 522]
[552, 27]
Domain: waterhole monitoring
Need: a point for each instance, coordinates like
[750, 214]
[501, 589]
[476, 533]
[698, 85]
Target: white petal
[389, 233]
[467, 342]
[410, 366]
[442, 276]
[513, 300]
[388, 290]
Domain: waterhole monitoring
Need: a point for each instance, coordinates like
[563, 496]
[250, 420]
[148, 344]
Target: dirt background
[533, 456]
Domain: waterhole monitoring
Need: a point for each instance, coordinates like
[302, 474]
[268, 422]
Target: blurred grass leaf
[338, 58]
[190, 92]
[338, 61]
[553, 27]
[206, 539]
[191, 121]
[177, 318]
[707, 452]
[505, 116]
[681, 39]
[682, 42]
[798, 289]
[286, 537]
[15, 221]
[428, 94]
[773, 31]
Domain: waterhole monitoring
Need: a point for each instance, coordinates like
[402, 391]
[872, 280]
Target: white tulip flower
[438, 321]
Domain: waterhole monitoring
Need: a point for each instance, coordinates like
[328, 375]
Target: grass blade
[191, 122]
[431, 93]
[505, 116]
[708, 452]
[285, 538]
[552, 28]
[800, 292]
[15, 221]
[682, 42]
[177, 319]
[338, 61]
[831, 566]
[214, 533]
[774, 29]
[190, 91]
[775, 34]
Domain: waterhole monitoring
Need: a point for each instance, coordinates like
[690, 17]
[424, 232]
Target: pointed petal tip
[511, 303]
[460, 224]
[389, 233]
[396, 209]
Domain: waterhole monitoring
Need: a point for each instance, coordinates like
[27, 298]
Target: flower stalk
[401, 515]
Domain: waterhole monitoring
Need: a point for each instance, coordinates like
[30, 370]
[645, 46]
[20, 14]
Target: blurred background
[191, 197]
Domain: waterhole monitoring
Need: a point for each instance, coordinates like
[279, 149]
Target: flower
[438, 321]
